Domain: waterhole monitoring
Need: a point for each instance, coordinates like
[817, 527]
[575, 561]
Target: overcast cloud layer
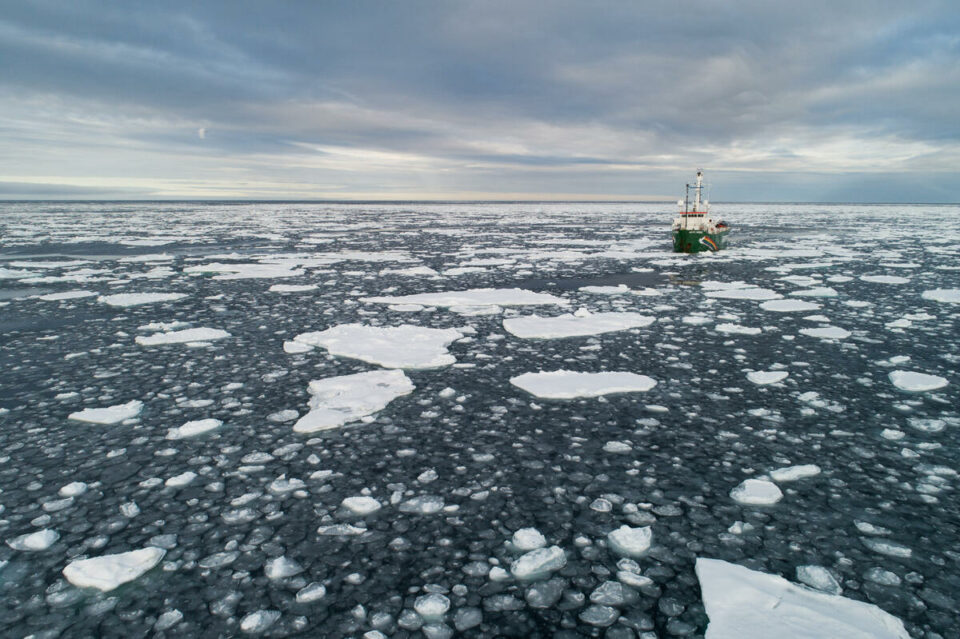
[480, 100]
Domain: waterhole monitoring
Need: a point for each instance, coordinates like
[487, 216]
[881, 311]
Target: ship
[694, 229]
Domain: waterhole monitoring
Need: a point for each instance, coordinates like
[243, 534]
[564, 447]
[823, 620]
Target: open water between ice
[481, 420]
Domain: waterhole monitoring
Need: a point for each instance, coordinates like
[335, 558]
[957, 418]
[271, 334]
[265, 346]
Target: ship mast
[698, 187]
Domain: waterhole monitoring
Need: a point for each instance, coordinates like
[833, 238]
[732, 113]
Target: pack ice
[473, 297]
[185, 336]
[916, 382]
[109, 571]
[136, 299]
[571, 384]
[339, 400]
[109, 414]
[747, 604]
[574, 324]
[404, 346]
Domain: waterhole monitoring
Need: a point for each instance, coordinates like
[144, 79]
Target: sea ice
[916, 382]
[527, 539]
[281, 568]
[182, 337]
[338, 400]
[767, 377]
[404, 346]
[789, 306]
[756, 492]
[885, 279]
[109, 571]
[135, 299]
[826, 332]
[292, 288]
[181, 480]
[538, 563]
[630, 542]
[73, 489]
[793, 473]
[747, 604]
[473, 297]
[110, 414]
[753, 293]
[361, 505]
[819, 578]
[737, 329]
[571, 384]
[66, 295]
[946, 295]
[431, 607]
[573, 325]
[35, 541]
[820, 291]
[259, 621]
[194, 428]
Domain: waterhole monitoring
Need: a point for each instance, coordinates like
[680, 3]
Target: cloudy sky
[844, 100]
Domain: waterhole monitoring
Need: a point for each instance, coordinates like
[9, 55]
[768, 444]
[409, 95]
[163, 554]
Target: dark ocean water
[467, 458]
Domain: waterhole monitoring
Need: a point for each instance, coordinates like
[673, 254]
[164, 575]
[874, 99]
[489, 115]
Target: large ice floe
[789, 306]
[945, 295]
[747, 604]
[574, 324]
[563, 384]
[917, 382]
[108, 414]
[340, 400]
[473, 297]
[185, 336]
[404, 346]
[756, 492]
[109, 571]
[136, 299]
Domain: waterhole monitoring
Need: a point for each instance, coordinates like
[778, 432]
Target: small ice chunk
[423, 505]
[181, 480]
[916, 382]
[73, 489]
[601, 616]
[311, 592]
[136, 299]
[820, 291]
[826, 332]
[281, 568]
[109, 571]
[574, 325]
[194, 428]
[66, 295]
[753, 293]
[168, 620]
[793, 473]
[432, 607]
[259, 621]
[883, 577]
[888, 548]
[538, 563]
[186, 336]
[110, 414]
[747, 604]
[762, 378]
[296, 347]
[885, 279]
[564, 384]
[527, 539]
[404, 346]
[292, 288]
[789, 306]
[337, 530]
[466, 618]
[339, 400]
[630, 542]
[617, 447]
[737, 329]
[280, 416]
[361, 505]
[472, 297]
[35, 541]
[819, 578]
[945, 295]
[756, 492]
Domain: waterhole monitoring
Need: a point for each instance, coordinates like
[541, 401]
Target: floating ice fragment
[601, 616]
[181, 480]
[737, 329]
[746, 604]
[789, 306]
[292, 288]
[756, 492]
[432, 607]
[281, 568]
[73, 489]
[762, 378]
[888, 548]
[292, 348]
[311, 592]
[185, 336]
[574, 324]
[135, 299]
[336, 401]
[404, 346]
[422, 505]
[538, 563]
[340, 530]
[66, 295]
[826, 332]
[361, 505]
[819, 578]
[259, 621]
[793, 473]
[617, 447]
[109, 571]
[467, 618]
[571, 384]
[885, 279]
[527, 539]
[168, 620]
[472, 297]
[110, 414]
[822, 291]
[630, 542]
[744, 294]
[945, 295]
[283, 416]
[35, 541]
[916, 382]
[194, 428]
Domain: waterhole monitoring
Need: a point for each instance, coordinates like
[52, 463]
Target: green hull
[698, 241]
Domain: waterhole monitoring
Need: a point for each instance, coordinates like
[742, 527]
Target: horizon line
[440, 201]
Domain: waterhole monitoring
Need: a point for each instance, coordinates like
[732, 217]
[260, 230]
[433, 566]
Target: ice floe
[185, 336]
[194, 428]
[630, 542]
[767, 377]
[747, 604]
[109, 571]
[66, 295]
[109, 414]
[820, 291]
[361, 505]
[538, 563]
[753, 293]
[563, 384]
[574, 325]
[916, 382]
[737, 329]
[35, 541]
[473, 297]
[789, 306]
[756, 492]
[136, 299]
[336, 401]
[885, 279]
[945, 295]
[292, 288]
[793, 473]
[826, 332]
[404, 346]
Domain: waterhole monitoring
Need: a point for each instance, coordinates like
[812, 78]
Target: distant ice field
[305, 419]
